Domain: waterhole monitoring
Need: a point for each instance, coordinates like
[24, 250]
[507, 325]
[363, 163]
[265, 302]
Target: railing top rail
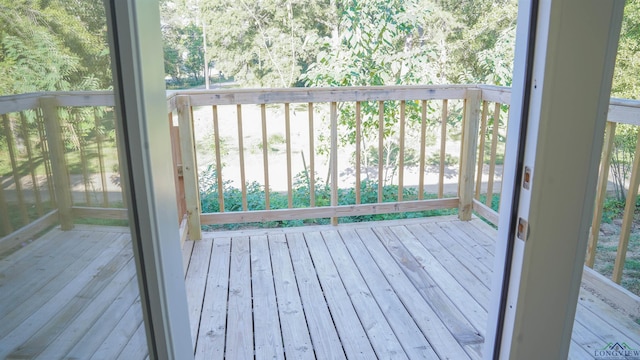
[320, 94]
[624, 111]
[21, 102]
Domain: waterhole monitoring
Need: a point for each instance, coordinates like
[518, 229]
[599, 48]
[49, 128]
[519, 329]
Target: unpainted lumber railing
[433, 105]
[45, 136]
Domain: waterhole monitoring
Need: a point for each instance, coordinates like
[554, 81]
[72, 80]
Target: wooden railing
[417, 112]
[55, 156]
[59, 161]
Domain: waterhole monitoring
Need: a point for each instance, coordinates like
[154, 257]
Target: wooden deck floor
[403, 289]
[72, 295]
[415, 289]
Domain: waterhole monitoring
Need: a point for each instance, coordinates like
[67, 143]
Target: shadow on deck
[398, 289]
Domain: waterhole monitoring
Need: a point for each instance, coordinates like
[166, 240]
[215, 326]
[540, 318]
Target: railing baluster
[481, 139]
[358, 151]
[103, 173]
[243, 179]
[83, 156]
[265, 156]
[401, 151]
[601, 194]
[334, 158]
[627, 219]
[380, 149]
[5, 224]
[44, 150]
[494, 148]
[423, 133]
[14, 167]
[312, 156]
[443, 147]
[216, 139]
[287, 130]
[32, 169]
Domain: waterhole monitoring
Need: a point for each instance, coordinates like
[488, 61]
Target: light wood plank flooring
[72, 295]
[409, 289]
[416, 289]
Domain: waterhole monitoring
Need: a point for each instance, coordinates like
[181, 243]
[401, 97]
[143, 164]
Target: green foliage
[347, 196]
[624, 145]
[625, 78]
[53, 45]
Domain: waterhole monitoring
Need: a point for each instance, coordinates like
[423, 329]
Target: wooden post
[627, 219]
[601, 194]
[468, 152]
[176, 155]
[189, 169]
[61, 182]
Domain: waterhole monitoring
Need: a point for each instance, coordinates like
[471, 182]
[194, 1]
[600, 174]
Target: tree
[53, 45]
[381, 42]
[266, 43]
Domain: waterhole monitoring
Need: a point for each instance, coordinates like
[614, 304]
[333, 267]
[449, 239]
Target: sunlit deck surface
[414, 289]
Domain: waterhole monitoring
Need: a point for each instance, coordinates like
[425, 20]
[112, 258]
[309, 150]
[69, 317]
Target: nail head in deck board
[479, 251]
[382, 337]
[414, 342]
[26, 277]
[60, 318]
[58, 290]
[352, 336]
[137, 347]
[443, 341]
[195, 283]
[465, 328]
[467, 278]
[213, 320]
[324, 337]
[605, 330]
[88, 317]
[465, 298]
[118, 339]
[109, 319]
[239, 342]
[266, 324]
[462, 252]
[600, 308]
[295, 335]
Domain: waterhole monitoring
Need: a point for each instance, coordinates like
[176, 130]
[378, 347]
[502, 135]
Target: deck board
[352, 336]
[213, 320]
[384, 341]
[267, 335]
[392, 290]
[295, 335]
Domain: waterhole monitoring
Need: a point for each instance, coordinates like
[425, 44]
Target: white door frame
[564, 95]
[138, 72]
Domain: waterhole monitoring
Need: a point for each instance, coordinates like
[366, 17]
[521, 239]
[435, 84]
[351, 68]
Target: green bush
[278, 200]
